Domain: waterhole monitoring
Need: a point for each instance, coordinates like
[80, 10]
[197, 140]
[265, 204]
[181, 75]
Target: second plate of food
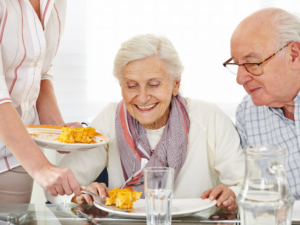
[180, 207]
[46, 136]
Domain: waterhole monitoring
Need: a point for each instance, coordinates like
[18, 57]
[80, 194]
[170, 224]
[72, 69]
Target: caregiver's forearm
[15, 137]
[47, 106]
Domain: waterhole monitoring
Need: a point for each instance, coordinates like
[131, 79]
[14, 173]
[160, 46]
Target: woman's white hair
[286, 27]
[146, 45]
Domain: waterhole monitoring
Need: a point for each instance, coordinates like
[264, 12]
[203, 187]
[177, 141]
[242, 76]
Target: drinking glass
[158, 183]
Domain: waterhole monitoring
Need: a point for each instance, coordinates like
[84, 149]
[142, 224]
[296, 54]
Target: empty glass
[265, 197]
[158, 182]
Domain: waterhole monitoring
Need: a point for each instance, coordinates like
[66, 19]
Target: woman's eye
[131, 85]
[153, 85]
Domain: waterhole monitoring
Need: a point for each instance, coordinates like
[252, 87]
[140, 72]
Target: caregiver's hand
[73, 124]
[57, 180]
[224, 196]
[99, 189]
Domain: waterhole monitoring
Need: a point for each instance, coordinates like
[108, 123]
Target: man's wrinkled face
[272, 88]
[147, 90]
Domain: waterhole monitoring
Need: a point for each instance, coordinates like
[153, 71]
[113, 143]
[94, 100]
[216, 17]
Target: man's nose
[243, 76]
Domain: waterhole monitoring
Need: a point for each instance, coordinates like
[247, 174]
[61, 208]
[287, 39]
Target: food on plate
[123, 198]
[74, 134]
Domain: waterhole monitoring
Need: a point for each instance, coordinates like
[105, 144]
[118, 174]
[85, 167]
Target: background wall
[200, 31]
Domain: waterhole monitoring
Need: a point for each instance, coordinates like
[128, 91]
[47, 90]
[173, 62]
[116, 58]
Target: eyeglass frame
[258, 64]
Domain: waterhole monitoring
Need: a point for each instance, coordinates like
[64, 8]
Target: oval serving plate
[45, 135]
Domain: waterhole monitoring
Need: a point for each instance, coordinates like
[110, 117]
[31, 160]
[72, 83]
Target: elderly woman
[154, 125]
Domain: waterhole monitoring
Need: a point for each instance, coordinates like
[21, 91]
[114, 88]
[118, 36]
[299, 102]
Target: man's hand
[224, 196]
[99, 189]
[73, 124]
[57, 180]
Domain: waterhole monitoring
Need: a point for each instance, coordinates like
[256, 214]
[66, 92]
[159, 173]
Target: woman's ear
[176, 87]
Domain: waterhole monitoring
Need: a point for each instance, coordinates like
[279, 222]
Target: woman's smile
[146, 108]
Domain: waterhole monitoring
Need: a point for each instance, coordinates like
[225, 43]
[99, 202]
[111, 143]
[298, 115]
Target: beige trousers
[15, 186]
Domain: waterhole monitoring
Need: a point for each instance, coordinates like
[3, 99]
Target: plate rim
[64, 146]
[143, 215]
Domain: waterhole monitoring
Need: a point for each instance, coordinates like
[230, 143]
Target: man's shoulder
[247, 105]
[247, 111]
[246, 102]
[199, 107]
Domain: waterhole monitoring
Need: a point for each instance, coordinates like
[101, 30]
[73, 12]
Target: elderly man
[265, 55]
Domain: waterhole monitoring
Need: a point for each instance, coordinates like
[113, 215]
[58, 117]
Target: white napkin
[144, 163]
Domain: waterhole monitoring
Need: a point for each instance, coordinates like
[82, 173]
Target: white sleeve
[59, 199]
[48, 75]
[87, 165]
[229, 159]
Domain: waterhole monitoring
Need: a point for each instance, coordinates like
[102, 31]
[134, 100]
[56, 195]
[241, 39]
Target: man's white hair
[146, 45]
[286, 28]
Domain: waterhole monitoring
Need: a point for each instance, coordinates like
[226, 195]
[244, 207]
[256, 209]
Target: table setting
[264, 198]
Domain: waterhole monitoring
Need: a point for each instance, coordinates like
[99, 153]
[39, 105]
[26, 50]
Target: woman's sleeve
[229, 159]
[4, 92]
[48, 75]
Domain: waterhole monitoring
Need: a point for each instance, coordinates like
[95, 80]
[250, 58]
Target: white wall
[199, 29]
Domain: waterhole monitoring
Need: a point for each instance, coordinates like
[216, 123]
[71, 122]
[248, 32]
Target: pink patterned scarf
[134, 146]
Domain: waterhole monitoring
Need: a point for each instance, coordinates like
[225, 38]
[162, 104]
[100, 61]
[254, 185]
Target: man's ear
[176, 87]
[295, 54]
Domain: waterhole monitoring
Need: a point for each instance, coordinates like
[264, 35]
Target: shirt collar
[279, 111]
[297, 98]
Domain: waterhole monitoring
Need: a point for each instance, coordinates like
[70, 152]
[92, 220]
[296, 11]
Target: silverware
[102, 201]
[96, 197]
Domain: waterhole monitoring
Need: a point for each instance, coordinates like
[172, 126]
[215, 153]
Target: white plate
[180, 207]
[44, 136]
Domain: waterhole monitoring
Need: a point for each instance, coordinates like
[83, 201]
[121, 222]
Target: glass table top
[50, 214]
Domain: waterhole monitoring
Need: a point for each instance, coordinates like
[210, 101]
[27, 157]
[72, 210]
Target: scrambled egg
[74, 134]
[123, 198]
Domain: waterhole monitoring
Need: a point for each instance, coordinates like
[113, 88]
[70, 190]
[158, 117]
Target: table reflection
[87, 214]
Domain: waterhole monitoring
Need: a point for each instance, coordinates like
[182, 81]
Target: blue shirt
[262, 125]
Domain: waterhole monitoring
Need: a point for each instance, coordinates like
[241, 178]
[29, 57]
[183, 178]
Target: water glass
[158, 182]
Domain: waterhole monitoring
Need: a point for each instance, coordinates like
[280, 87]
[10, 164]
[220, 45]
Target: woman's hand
[99, 189]
[224, 196]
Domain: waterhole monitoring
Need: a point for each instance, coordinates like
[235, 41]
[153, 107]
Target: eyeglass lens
[250, 67]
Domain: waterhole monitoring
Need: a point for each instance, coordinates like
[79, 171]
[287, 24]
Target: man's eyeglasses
[253, 68]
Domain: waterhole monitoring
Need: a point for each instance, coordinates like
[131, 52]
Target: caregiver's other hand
[57, 180]
[224, 196]
[99, 189]
[73, 124]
